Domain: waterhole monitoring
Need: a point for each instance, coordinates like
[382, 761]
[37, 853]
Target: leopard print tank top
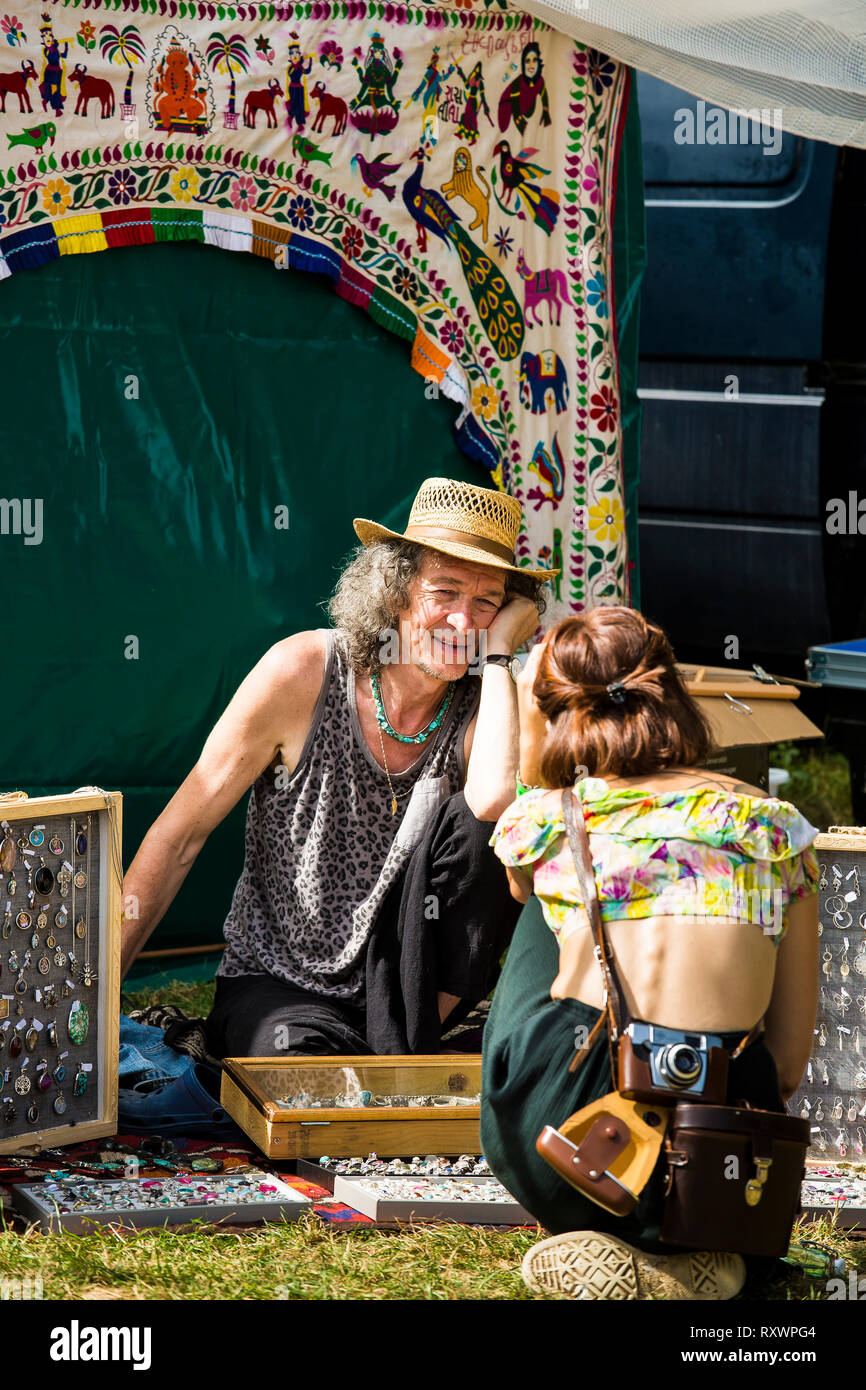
[322, 846]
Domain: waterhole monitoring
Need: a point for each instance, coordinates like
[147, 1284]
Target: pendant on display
[8, 1111]
[61, 917]
[7, 852]
[59, 1073]
[32, 1114]
[23, 920]
[44, 1081]
[205, 1164]
[81, 929]
[50, 941]
[7, 926]
[59, 1105]
[12, 887]
[44, 879]
[21, 984]
[51, 1034]
[31, 1038]
[79, 1085]
[88, 977]
[55, 844]
[15, 1045]
[22, 1083]
[81, 842]
[34, 940]
[49, 997]
[80, 879]
[42, 920]
[36, 838]
[43, 965]
[59, 959]
[78, 1022]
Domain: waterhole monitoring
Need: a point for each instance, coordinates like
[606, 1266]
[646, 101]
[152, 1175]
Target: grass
[306, 1260]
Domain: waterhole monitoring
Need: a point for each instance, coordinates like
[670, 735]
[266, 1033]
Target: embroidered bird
[551, 470]
[37, 136]
[374, 172]
[498, 310]
[307, 151]
[518, 175]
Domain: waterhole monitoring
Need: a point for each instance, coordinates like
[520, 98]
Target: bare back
[680, 972]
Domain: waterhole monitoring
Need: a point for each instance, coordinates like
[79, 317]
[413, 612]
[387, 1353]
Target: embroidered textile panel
[450, 169]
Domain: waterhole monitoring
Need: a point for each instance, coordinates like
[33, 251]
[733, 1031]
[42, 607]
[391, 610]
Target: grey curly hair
[374, 588]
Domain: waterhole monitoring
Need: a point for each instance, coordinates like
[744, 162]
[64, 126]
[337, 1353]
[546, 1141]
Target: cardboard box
[746, 717]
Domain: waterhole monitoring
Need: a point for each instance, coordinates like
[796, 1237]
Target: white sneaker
[588, 1264]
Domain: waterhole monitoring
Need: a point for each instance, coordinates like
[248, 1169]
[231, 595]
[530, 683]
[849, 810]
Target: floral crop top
[698, 853]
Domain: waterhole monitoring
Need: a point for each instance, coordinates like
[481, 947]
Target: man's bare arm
[268, 716]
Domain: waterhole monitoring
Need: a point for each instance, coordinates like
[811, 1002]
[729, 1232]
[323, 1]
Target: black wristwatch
[512, 664]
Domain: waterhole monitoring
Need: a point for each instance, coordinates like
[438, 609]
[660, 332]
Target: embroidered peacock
[498, 310]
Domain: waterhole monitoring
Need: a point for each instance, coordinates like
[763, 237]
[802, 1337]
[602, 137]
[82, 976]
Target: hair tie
[616, 690]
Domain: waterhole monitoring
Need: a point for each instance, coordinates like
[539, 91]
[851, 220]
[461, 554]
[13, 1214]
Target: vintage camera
[662, 1064]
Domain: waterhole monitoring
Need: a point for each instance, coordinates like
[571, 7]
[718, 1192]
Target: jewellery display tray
[70, 841]
[252, 1086]
[34, 1204]
[360, 1194]
[838, 1055]
[848, 1208]
[313, 1171]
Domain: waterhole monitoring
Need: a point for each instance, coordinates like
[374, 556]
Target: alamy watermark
[22, 516]
[714, 125]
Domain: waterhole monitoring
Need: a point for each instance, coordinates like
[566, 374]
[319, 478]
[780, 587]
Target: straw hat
[472, 523]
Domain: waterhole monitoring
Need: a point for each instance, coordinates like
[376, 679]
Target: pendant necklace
[394, 795]
[423, 734]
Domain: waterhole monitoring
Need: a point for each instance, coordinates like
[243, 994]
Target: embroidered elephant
[541, 372]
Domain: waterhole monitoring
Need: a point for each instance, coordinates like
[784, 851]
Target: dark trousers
[444, 925]
[529, 1042]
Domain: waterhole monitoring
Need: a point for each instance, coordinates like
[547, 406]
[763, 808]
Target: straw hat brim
[369, 532]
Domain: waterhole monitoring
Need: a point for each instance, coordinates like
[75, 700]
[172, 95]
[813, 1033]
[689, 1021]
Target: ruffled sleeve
[529, 827]
[800, 875]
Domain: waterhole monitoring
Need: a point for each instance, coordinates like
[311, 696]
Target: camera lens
[679, 1064]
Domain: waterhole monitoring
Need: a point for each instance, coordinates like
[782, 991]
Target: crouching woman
[707, 890]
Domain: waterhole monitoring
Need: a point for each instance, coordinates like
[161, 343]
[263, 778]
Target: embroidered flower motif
[185, 184]
[596, 294]
[602, 409]
[451, 336]
[405, 283]
[601, 71]
[331, 55]
[86, 35]
[122, 186]
[485, 401]
[263, 49]
[353, 243]
[243, 194]
[592, 181]
[504, 242]
[56, 196]
[605, 519]
[301, 212]
[13, 29]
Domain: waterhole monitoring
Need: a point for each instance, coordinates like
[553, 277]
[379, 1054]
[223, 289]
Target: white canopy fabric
[804, 63]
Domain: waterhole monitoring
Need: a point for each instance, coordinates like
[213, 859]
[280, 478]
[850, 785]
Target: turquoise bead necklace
[423, 734]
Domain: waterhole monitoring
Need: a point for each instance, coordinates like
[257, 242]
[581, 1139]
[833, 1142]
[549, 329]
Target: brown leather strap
[446, 533]
[579, 842]
[580, 1057]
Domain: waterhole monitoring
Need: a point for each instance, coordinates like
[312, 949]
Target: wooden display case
[253, 1086]
[60, 961]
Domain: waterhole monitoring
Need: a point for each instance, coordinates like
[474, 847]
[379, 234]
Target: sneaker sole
[589, 1265]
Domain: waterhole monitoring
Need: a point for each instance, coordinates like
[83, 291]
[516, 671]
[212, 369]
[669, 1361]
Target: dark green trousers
[529, 1041]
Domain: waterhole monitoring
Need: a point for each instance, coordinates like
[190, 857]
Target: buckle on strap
[755, 1186]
